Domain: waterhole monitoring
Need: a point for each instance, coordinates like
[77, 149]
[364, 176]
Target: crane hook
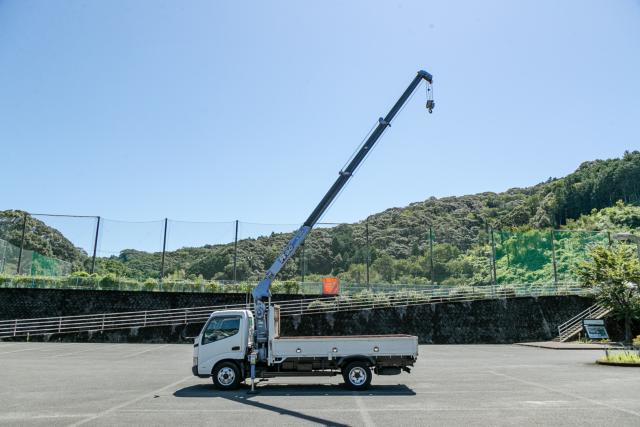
[430, 102]
[430, 105]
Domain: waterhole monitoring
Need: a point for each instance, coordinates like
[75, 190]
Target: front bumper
[194, 371]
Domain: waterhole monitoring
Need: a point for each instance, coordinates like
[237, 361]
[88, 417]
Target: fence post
[433, 280]
[366, 232]
[164, 250]
[302, 266]
[493, 258]
[553, 259]
[95, 247]
[235, 253]
[24, 229]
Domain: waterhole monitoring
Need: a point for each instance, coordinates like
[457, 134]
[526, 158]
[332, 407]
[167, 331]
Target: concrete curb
[554, 345]
[627, 365]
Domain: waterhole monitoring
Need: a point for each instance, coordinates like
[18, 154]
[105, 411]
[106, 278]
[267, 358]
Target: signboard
[330, 286]
[595, 329]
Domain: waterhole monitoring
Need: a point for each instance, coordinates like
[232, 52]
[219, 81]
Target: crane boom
[261, 291]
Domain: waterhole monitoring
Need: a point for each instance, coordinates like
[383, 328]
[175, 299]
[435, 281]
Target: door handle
[236, 348]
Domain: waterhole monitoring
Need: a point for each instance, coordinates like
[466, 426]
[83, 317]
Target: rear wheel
[226, 376]
[357, 375]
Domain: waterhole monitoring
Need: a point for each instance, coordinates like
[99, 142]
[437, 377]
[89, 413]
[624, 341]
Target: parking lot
[151, 384]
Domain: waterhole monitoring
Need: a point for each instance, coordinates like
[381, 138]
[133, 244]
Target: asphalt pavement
[51, 384]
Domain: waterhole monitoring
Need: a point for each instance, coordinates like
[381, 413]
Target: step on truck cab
[222, 351]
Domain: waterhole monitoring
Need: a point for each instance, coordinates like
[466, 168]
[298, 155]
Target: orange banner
[330, 286]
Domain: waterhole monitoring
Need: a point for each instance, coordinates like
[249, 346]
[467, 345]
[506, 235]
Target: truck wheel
[226, 376]
[357, 376]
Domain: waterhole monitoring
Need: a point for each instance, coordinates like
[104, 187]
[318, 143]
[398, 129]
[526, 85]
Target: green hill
[400, 237]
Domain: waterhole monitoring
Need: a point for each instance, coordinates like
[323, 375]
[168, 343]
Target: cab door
[221, 338]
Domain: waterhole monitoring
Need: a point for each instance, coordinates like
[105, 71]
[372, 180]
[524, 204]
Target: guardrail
[305, 306]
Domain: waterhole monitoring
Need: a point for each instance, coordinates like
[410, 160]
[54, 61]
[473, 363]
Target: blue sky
[212, 111]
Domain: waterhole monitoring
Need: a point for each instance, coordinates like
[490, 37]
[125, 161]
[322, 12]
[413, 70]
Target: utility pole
[493, 257]
[164, 249]
[235, 253]
[95, 246]
[366, 231]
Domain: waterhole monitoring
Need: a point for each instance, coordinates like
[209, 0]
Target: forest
[523, 235]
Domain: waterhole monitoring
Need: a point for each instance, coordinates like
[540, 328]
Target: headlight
[195, 361]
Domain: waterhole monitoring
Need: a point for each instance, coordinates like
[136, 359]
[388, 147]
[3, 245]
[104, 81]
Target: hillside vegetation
[400, 237]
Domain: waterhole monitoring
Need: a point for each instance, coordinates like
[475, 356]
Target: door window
[220, 328]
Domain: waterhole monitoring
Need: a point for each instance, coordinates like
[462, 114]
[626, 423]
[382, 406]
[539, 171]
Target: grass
[584, 340]
[626, 356]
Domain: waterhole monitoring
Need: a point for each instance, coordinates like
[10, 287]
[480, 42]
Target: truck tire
[226, 376]
[357, 375]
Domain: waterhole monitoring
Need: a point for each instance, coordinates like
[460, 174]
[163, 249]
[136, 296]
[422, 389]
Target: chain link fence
[169, 255]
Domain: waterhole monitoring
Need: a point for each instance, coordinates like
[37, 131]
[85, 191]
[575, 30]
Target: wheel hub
[226, 376]
[357, 376]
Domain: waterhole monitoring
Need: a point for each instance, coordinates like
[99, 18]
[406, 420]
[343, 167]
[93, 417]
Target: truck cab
[226, 337]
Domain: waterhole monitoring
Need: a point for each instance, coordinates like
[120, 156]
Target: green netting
[528, 257]
[8, 257]
[31, 263]
[46, 266]
[571, 248]
[524, 257]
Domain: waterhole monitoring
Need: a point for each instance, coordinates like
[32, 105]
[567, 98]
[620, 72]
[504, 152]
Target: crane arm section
[261, 291]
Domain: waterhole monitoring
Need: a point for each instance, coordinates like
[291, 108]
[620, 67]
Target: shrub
[5, 280]
[320, 305]
[109, 281]
[291, 287]
[211, 287]
[149, 284]
[79, 274]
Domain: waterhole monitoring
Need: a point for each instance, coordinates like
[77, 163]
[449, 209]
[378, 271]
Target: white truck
[236, 343]
[223, 348]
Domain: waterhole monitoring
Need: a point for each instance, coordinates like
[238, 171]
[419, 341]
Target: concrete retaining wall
[491, 321]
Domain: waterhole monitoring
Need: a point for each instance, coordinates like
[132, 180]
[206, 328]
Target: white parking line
[43, 348]
[72, 353]
[16, 351]
[566, 393]
[366, 418]
[129, 402]
[145, 351]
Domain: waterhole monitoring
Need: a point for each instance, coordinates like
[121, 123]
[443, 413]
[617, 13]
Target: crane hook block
[430, 105]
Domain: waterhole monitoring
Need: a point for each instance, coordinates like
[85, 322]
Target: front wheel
[226, 376]
[357, 376]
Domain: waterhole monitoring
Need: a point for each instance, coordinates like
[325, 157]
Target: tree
[614, 273]
[384, 265]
